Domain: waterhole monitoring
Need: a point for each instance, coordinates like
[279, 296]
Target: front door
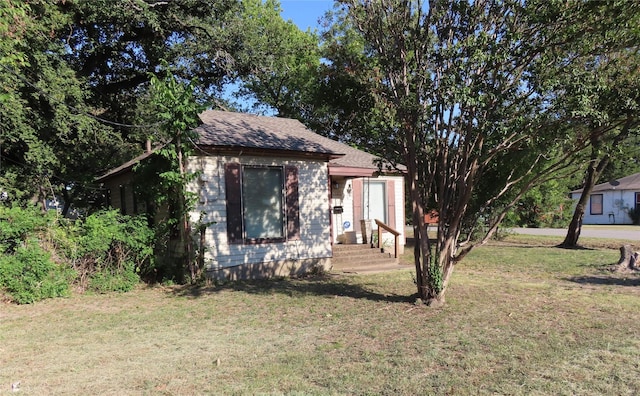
[375, 201]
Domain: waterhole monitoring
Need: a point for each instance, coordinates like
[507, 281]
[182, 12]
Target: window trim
[258, 241]
[236, 232]
[591, 210]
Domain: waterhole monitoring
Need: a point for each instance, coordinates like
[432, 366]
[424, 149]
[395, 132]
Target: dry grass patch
[518, 320]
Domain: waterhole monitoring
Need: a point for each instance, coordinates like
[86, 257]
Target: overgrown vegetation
[44, 256]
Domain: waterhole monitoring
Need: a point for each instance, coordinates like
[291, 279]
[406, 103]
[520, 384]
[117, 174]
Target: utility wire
[76, 110]
[88, 186]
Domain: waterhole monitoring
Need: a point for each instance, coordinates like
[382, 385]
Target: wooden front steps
[360, 259]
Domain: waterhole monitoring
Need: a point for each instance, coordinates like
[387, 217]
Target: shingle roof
[224, 129]
[242, 130]
[631, 182]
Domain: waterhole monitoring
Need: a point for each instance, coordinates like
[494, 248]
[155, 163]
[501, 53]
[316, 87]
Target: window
[262, 203]
[637, 201]
[123, 199]
[596, 204]
[262, 197]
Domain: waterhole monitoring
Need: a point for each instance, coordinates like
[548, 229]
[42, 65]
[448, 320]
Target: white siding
[314, 240]
[615, 207]
[341, 195]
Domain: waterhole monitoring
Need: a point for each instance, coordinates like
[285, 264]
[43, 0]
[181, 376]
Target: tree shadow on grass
[320, 285]
[631, 280]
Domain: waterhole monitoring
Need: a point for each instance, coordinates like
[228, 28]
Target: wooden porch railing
[396, 236]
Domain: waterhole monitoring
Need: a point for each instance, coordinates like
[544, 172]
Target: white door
[375, 201]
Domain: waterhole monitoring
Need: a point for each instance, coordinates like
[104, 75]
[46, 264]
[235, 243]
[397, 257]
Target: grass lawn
[521, 318]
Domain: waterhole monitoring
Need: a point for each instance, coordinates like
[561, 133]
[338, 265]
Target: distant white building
[610, 203]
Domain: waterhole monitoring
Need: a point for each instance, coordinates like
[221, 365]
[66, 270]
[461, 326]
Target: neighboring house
[276, 195]
[610, 203]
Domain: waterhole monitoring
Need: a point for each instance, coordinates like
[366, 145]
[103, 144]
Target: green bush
[111, 250]
[546, 205]
[102, 252]
[17, 225]
[121, 280]
[29, 275]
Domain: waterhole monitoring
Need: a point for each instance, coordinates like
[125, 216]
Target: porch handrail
[396, 236]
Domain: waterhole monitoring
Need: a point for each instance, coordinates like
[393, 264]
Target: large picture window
[262, 198]
[596, 204]
[262, 203]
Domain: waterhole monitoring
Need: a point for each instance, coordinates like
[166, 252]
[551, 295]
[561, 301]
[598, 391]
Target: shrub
[42, 255]
[27, 273]
[17, 225]
[110, 251]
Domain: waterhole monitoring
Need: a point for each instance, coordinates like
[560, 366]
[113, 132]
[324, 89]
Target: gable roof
[123, 168]
[631, 182]
[224, 129]
[243, 132]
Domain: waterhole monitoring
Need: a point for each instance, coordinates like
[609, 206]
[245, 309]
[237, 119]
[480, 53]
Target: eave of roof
[124, 167]
[350, 171]
[631, 182]
[224, 132]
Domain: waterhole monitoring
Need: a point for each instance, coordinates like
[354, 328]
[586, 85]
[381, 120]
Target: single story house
[276, 195]
[610, 203]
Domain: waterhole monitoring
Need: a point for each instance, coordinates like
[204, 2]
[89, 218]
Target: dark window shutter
[233, 180]
[291, 201]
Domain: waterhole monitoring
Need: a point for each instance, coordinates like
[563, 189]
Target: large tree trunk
[594, 170]
[421, 252]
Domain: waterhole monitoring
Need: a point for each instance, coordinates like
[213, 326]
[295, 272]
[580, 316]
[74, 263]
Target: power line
[76, 110]
[88, 186]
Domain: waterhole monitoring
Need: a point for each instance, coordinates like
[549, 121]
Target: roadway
[588, 231]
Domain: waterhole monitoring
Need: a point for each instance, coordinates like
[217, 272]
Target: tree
[468, 92]
[178, 111]
[47, 132]
[606, 107]
[278, 62]
[75, 80]
[116, 45]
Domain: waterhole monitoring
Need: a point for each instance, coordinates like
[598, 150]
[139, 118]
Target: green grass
[519, 320]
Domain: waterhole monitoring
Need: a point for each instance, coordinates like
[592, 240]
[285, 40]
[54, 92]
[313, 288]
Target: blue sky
[305, 13]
